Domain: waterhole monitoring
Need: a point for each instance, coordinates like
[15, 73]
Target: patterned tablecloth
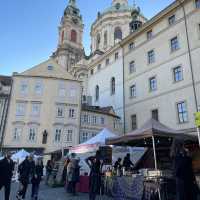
[136, 188]
[122, 188]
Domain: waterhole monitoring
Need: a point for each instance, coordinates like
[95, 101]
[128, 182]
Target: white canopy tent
[94, 143]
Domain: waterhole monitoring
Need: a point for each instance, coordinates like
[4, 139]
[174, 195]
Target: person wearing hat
[6, 172]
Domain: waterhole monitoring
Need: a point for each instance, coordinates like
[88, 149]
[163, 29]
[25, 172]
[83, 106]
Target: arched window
[98, 41]
[105, 38]
[73, 36]
[62, 36]
[118, 33]
[112, 86]
[97, 93]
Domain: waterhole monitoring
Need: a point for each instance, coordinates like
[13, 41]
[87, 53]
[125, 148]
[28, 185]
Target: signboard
[197, 119]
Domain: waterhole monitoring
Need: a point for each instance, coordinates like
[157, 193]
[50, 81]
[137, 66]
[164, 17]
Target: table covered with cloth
[121, 188]
[83, 185]
[138, 188]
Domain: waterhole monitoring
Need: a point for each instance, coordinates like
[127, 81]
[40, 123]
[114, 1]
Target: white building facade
[165, 82]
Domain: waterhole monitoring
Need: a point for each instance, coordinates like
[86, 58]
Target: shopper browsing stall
[127, 163]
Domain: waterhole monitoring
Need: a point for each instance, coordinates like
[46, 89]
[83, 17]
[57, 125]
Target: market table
[125, 187]
[83, 185]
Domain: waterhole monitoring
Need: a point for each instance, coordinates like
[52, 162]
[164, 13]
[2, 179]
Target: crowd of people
[31, 172]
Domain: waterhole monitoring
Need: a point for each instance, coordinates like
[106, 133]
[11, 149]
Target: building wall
[92, 123]
[4, 101]
[168, 91]
[103, 77]
[46, 119]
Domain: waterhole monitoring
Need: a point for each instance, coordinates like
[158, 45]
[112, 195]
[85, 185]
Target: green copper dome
[118, 8]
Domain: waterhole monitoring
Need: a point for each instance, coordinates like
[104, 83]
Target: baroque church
[109, 28]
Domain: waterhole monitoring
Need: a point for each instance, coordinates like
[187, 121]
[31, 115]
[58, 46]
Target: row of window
[117, 36]
[177, 76]
[63, 91]
[36, 109]
[149, 34]
[21, 109]
[93, 120]
[63, 135]
[112, 89]
[107, 62]
[151, 58]
[182, 114]
[85, 135]
[61, 112]
[32, 134]
[174, 41]
[73, 36]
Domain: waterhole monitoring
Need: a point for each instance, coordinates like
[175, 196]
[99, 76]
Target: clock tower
[70, 48]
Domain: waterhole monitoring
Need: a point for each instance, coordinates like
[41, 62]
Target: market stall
[87, 149]
[94, 143]
[158, 178]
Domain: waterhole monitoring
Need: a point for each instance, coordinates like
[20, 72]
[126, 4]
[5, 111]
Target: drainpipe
[6, 115]
[124, 111]
[4, 103]
[80, 123]
[191, 63]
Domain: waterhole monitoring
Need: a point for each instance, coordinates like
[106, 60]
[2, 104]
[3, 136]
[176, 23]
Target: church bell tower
[70, 47]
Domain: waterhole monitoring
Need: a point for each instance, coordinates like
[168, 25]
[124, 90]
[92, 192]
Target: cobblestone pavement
[47, 193]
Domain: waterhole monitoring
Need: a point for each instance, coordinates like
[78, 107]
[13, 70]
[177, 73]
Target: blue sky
[29, 28]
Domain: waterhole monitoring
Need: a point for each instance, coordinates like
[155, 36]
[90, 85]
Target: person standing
[64, 174]
[70, 174]
[49, 168]
[185, 178]
[95, 164]
[36, 179]
[6, 172]
[127, 162]
[75, 176]
[26, 169]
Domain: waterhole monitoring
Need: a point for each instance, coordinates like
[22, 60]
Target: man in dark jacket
[26, 170]
[6, 172]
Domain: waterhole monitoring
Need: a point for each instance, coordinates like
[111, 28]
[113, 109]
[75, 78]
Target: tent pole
[154, 153]
[156, 165]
